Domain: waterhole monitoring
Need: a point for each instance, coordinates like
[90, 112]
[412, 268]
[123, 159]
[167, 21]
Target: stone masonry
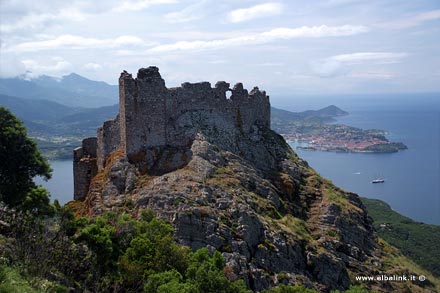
[84, 167]
[152, 117]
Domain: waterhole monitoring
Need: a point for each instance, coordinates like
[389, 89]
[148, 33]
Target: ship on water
[378, 180]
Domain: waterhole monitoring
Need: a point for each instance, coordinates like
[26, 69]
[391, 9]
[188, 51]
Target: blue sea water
[412, 176]
[412, 185]
[60, 185]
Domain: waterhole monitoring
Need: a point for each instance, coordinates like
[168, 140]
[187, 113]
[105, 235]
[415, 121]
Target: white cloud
[315, 31]
[218, 61]
[56, 66]
[126, 41]
[270, 64]
[190, 13]
[377, 57]
[75, 42]
[373, 75]
[341, 2]
[412, 21]
[343, 64]
[92, 66]
[38, 15]
[257, 11]
[10, 66]
[264, 37]
[40, 20]
[329, 68]
[129, 5]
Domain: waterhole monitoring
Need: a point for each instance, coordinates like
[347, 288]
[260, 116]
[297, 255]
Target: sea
[412, 176]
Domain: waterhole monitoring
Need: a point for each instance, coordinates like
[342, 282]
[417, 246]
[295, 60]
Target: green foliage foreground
[20, 162]
[112, 252]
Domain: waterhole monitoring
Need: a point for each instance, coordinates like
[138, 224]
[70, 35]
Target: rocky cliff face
[248, 195]
[274, 218]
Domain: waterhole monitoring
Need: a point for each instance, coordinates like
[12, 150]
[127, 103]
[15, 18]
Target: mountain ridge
[71, 90]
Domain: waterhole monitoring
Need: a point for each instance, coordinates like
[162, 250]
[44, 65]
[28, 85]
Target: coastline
[389, 147]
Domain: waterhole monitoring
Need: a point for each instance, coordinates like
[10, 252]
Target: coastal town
[317, 131]
[343, 138]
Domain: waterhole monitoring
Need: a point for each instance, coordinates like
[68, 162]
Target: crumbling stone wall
[109, 139]
[84, 167]
[152, 117]
[142, 108]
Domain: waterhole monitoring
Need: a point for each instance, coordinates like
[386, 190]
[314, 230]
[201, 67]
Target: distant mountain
[58, 129]
[283, 121]
[323, 115]
[36, 110]
[70, 90]
[46, 118]
[92, 117]
[329, 111]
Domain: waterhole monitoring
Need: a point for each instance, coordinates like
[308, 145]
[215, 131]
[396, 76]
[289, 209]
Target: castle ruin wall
[84, 167]
[152, 115]
[109, 138]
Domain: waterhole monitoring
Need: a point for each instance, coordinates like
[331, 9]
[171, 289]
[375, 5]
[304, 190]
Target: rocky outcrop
[248, 195]
[256, 203]
[156, 123]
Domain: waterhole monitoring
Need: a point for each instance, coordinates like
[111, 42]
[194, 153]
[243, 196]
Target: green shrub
[289, 289]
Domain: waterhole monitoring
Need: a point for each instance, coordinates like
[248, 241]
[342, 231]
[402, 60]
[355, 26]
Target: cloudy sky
[316, 47]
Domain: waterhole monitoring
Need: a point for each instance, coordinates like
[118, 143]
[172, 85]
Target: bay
[412, 176]
[60, 185]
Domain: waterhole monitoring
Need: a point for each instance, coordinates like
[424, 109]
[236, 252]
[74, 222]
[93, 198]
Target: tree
[20, 161]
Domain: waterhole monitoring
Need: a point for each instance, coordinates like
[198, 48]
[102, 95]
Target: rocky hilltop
[212, 166]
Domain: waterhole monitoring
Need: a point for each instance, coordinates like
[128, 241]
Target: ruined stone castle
[154, 120]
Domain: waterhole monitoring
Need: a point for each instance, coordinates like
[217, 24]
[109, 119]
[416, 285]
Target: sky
[303, 47]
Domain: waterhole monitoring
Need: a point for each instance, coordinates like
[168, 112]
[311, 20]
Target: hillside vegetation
[418, 241]
[110, 253]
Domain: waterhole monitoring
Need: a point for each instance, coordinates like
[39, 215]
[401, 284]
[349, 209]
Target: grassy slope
[418, 241]
[11, 281]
